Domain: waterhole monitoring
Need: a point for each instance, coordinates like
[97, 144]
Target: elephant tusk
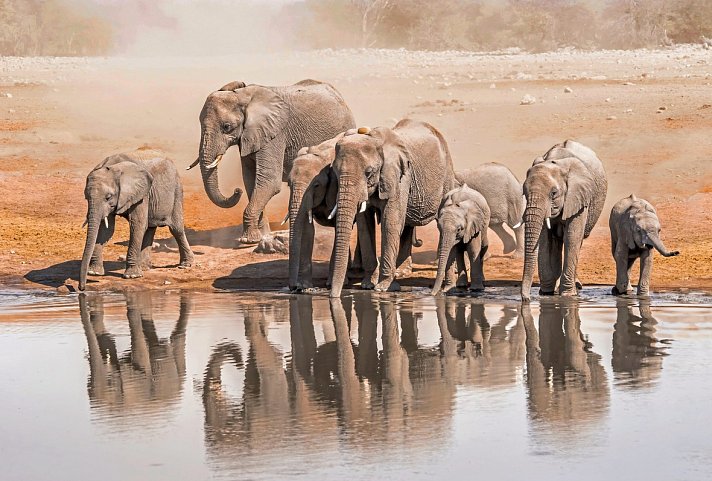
[332, 213]
[311, 218]
[195, 162]
[548, 223]
[363, 207]
[85, 223]
[286, 218]
[517, 225]
[215, 162]
[106, 222]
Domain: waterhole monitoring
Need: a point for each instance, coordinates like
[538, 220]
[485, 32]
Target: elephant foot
[645, 292]
[569, 292]
[477, 288]
[186, 264]
[272, 245]
[546, 293]
[252, 236]
[133, 272]
[579, 286]
[96, 269]
[387, 285]
[617, 292]
[367, 285]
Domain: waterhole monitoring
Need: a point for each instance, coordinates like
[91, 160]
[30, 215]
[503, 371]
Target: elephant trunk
[534, 217]
[660, 247]
[207, 156]
[93, 221]
[447, 242]
[345, 215]
[299, 208]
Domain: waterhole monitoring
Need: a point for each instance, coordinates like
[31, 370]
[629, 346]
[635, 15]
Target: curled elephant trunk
[299, 209]
[660, 247]
[94, 218]
[344, 223]
[447, 243]
[209, 158]
[535, 215]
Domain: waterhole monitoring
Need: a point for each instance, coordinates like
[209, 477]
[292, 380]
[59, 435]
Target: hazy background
[218, 27]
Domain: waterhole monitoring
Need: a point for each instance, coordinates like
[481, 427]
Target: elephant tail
[416, 242]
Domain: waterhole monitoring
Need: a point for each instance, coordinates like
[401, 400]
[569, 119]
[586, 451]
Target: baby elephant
[635, 230]
[462, 221]
[505, 198]
[143, 187]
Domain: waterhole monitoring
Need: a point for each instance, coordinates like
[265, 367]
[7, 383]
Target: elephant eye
[109, 196]
[554, 193]
[369, 171]
[226, 127]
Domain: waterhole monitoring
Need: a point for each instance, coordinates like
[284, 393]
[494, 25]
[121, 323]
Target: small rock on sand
[567, 90]
[611, 117]
[527, 100]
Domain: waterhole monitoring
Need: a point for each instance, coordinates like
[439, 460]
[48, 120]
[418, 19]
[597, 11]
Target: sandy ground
[648, 114]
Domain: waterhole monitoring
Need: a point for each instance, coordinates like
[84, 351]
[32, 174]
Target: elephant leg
[355, 270]
[366, 229]
[266, 175]
[623, 266]
[507, 239]
[405, 252]
[573, 238]
[476, 251]
[186, 253]
[549, 262]
[96, 264]
[138, 223]
[646, 268]
[305, 262]
[519, 235]
[461, 272]
[146, 246]
[392, 224]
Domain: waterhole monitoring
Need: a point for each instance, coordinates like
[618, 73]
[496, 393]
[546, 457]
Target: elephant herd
[399, 177]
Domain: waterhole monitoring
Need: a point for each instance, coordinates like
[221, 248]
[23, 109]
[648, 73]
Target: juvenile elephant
[565, 192]
[270, 125]
[503, 193]
[143, 187]
[462, 222]
[635, 231]
[401, 173]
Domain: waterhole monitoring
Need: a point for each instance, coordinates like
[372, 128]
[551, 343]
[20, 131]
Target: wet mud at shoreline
[245, 385]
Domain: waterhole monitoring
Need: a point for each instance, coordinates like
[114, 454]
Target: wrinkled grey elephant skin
[635, 232]
[401, 174]
[269, 125]
[462, 222]
[505, 198]
[143, 187]
[565, 191]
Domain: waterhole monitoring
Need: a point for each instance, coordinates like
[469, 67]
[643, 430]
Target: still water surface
[191, 386]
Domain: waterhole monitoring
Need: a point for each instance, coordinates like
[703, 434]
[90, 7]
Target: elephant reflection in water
[151, 373]
[276, 403]
[483, 355]
[637, 354]
[565, 379]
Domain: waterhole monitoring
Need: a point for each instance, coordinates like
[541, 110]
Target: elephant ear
[628, 234]
[332, 188]
[134, 184]
[265, 117]
[474, 220]
[396, 162]
[580, 187]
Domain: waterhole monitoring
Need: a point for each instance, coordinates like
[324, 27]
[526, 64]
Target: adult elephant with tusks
[269, 125]
[565, 191]
[402, 173]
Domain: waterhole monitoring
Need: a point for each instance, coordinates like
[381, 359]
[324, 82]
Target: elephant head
[111, 189]
[557, 187]
[369, 162]
[644, 230]
[247, 116]
[311, 183]
[459, 220]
